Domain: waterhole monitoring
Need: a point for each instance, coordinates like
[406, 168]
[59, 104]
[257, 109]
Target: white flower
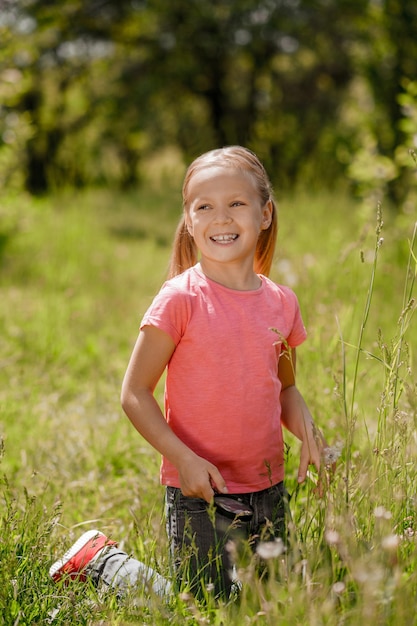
[390, 543]
[332, 537]
[270, 549]
[332, 453]
[381, 513]
[339, 587]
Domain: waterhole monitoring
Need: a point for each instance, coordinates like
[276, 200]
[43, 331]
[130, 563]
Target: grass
[76, 274]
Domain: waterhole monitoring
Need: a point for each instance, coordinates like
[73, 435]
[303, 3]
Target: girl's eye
[237, 203]
[203, 207]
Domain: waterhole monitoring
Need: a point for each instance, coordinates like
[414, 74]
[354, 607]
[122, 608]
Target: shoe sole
[75, 548]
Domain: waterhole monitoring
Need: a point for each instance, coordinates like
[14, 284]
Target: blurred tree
[266, 71]
[390, 66]
[57, 48]
[90, 87]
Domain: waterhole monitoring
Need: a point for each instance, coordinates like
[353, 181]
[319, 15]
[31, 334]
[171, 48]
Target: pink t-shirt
[222, 392]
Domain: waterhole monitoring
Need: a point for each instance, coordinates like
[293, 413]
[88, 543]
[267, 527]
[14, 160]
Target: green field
[77, 271]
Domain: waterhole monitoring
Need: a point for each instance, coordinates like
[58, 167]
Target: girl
[227, 335]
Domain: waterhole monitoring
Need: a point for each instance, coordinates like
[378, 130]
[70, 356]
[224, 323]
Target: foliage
[76, 276]
[90, 89]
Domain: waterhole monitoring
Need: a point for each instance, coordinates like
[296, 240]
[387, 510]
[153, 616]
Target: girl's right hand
[200, 479]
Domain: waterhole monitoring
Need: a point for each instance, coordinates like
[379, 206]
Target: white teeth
[224, 238]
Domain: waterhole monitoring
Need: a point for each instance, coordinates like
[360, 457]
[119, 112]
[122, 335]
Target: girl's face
[225, 215]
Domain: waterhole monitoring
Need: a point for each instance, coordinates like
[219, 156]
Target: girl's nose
[222, 215]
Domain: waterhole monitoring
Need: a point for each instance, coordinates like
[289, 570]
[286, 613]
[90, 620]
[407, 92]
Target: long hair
[184, 251]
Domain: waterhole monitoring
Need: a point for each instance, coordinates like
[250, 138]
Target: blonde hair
[184, 251]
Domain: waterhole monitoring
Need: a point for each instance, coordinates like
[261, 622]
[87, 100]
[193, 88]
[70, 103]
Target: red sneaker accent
[76, 559]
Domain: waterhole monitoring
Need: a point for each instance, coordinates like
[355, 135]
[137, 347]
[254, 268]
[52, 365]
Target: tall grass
[77, 272]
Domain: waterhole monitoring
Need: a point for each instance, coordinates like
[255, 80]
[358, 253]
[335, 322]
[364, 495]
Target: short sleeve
[169, 312]
[297, 332]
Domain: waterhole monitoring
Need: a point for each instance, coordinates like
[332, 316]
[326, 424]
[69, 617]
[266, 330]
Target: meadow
[77, 271]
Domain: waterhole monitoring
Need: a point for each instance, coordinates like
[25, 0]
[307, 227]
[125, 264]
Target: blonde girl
[226, 334]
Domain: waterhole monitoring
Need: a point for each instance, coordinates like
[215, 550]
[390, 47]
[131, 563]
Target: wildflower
[390, 543]
[270, 549]
[332, 537]
[339, 587]
[185, 596]
[230, 547]
[332, 453]
[381, 513]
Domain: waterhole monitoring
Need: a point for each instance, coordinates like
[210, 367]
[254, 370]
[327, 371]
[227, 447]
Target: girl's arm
[296, 417]
[150, 356]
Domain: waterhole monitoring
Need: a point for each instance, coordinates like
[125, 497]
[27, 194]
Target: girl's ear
[188, 225]
[267, 212]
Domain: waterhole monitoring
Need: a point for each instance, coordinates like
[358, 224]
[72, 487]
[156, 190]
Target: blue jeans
[203, 540]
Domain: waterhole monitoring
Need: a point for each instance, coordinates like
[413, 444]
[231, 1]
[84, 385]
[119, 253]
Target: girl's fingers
[217, 482]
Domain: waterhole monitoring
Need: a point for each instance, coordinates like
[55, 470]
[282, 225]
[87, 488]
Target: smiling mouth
[224, 238]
